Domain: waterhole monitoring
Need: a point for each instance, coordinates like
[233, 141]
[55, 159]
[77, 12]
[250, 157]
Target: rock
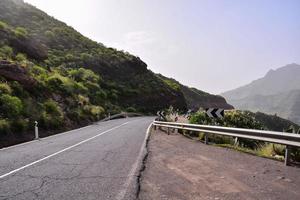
[288, 180]
[14, 72]
[279, 157]
[280, 177]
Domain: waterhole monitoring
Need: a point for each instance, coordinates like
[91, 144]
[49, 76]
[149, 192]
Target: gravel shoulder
[180, 168]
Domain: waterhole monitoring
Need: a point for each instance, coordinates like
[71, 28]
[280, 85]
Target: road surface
[100, 161]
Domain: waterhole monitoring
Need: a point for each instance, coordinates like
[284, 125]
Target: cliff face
[195, 98]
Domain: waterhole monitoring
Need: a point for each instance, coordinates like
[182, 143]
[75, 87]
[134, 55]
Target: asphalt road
[100, 161]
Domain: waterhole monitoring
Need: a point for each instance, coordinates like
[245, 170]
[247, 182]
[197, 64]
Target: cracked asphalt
[96, 169]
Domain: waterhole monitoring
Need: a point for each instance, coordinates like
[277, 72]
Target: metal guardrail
[121, 115]
[288, 139]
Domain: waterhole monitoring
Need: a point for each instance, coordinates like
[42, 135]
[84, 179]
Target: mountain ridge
[275, 93]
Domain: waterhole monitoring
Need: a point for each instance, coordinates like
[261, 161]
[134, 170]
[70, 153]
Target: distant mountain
[278, 92]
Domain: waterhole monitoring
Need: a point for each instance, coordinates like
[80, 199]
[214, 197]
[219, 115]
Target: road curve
[95, 162]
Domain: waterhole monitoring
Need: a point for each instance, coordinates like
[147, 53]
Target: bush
[3, 25]
[5, 88]
[85, 56]
[6, 52]
[99, 97]
[96, 112]
[21, 32]
[82, 75]
[131, 109]
[19, 125]
[49, 34]
[57, 82]
[238, 119]
[82, 100]
[10, 106]
[52, 117]
[18, 90]
[4, 126]
[21, 57]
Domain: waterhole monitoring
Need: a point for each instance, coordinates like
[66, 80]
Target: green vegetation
[52, 74]
[3, 25]
[6, 52]
[249, 120]
[21, 32]
[10, 106]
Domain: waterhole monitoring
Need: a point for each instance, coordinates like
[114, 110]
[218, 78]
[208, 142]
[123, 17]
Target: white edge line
[50, 136]
[134, 167]
[65, 149]
[36, 140]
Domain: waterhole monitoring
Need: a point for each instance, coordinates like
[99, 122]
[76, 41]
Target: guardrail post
[36, 130]
[205, 138]
[154, 127]
[287, 155]
[168, 131]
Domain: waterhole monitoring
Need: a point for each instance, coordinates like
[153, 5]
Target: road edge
[142, 157]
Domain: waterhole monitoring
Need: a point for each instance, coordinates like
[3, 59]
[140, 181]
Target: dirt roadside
[180, 168]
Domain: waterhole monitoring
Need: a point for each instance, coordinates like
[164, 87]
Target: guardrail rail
[288, 139]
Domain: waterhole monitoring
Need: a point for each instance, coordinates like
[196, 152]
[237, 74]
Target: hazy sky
[214, 45]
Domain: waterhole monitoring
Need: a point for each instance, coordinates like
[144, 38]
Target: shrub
[82, 75]
[19, 125]
[172, 84]
[238, 119]
[94, 111]
[52, 116]
[3, 25]
[82, 100]
[131, 109]
[271, 150]
[57, 82]
[5, 88]
[10, 106]
[21, 32]
[49, 34]
[6, 52]
[99, 97]
[18, 90]
[85, 56]
[4, 126]
[21, 57]
[76, 114]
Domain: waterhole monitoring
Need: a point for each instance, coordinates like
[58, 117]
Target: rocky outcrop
[15, 72]
[30, 47]
[196, 99]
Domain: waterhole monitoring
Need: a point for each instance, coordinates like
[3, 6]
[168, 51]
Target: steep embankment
[278, 92]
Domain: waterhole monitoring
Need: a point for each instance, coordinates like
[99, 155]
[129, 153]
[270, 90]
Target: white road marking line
[63, 150]
[134, 167]
[50, 136]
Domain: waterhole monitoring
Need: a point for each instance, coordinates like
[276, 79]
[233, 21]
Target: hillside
[278, 92]
[52, 74]
[195, 98]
